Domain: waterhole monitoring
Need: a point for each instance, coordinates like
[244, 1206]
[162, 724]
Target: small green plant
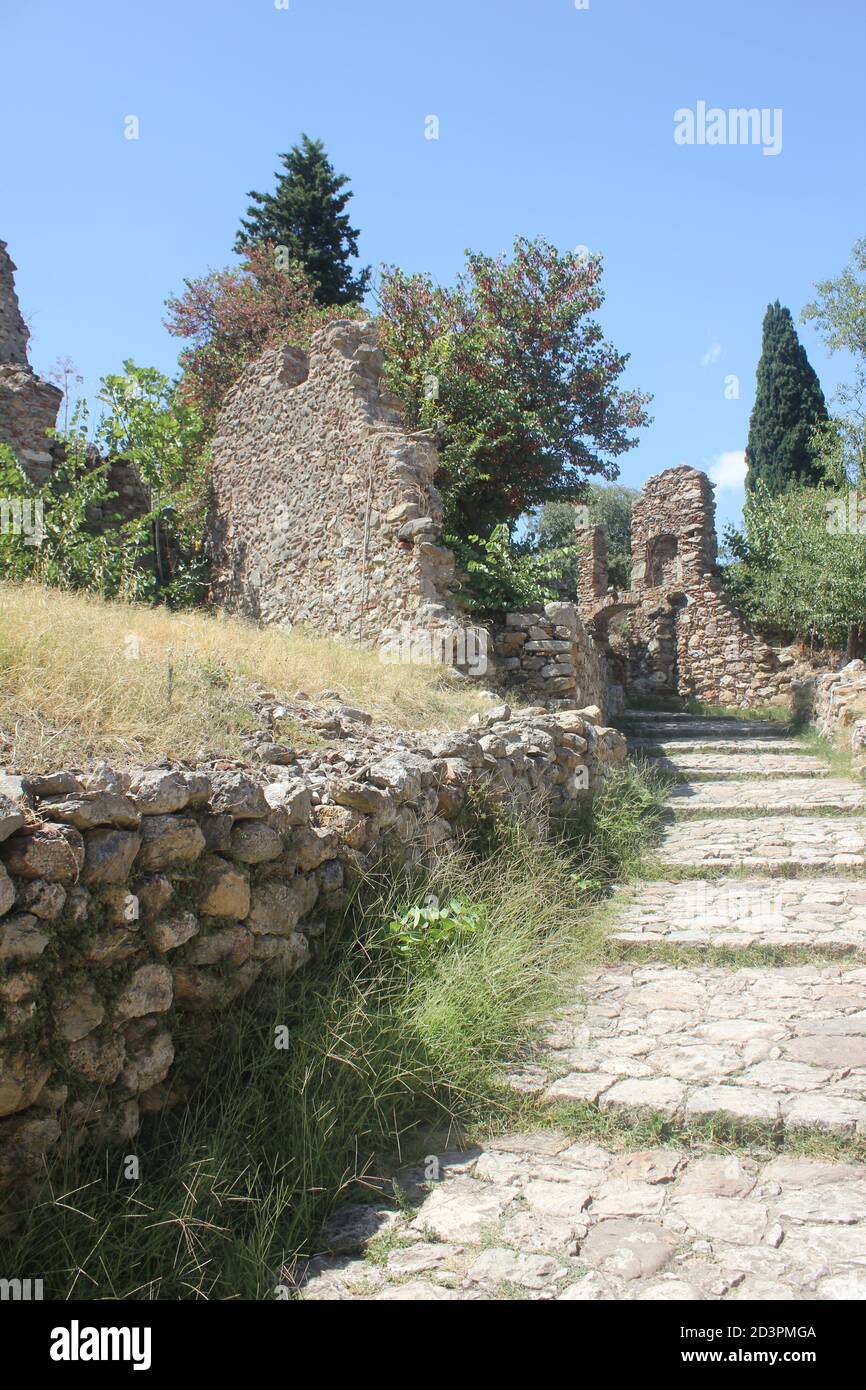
[422, 932]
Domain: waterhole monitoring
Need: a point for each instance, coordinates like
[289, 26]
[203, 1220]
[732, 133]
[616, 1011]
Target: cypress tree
[789, 403]
[306, 214]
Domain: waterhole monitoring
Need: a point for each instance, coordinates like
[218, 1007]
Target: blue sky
[554, 120]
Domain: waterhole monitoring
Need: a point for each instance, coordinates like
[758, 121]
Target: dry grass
[81, 678]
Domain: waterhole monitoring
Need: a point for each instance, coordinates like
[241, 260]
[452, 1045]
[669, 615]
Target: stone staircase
[762, 853]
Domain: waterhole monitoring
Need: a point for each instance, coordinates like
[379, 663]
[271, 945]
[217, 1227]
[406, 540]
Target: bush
[501, 574]
[420, 933]
[157, 556]
[795, 567]
[232, 315]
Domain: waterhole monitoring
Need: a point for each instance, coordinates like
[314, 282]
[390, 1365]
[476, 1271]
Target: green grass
[623, 1131]
[237, 1179]
[681, 811]
[839, 760]
[657, 868]
[688, 954]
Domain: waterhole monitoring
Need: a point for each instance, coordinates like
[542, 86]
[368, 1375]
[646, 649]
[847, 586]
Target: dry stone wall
[324, 510]
[128, 898]
[840, 709]
[549, 656]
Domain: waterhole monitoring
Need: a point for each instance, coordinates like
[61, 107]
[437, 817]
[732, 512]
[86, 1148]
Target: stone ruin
[28, 412]
[324, 512]
[681, 634]
[28, 405]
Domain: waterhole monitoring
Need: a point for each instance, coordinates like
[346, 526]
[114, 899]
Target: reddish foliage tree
[513, 372]
[232, 315]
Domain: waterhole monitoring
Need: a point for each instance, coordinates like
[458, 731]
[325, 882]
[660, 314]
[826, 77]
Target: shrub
[232, 315]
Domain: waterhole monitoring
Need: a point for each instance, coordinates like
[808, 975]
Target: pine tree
[306, 215]
[789, 403]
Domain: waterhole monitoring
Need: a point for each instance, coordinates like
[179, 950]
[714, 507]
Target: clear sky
[554, 120]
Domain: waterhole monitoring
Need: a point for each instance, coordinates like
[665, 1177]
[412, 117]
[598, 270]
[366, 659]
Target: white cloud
[728, 470]
[712, 355]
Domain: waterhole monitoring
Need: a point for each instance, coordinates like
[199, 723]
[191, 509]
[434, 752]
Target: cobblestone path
[762, 850]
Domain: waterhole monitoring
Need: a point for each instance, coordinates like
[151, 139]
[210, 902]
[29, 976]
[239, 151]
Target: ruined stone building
[685, 635]
[29, 407]
[324, 513]
[324, 510]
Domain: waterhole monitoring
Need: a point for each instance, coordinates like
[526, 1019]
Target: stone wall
[548, 656]
[28, 405]
[840, 709]
[130, 897]
[324, 510]
[686, 636]
[28, 410]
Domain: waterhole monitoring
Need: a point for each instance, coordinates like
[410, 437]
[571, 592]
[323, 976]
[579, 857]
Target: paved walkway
[783, 1047]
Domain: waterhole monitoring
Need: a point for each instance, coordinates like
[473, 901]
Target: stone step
[537, 1216]
[826, 914]
[785, 1046]
[671, 748]
[740, 765]
[769, 844]
[797, 795]
[708, 730]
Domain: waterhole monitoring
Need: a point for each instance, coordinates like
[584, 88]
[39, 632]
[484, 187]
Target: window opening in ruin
[663, 563]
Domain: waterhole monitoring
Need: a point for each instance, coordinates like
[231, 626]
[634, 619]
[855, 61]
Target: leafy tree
[502, 574]
[306, 217]
[63, 550]
[150, 426]
[789, 405]
[839, 311]
[232, 315]
[511, 371]
[609, 506]
[798, 566]
[155, 557]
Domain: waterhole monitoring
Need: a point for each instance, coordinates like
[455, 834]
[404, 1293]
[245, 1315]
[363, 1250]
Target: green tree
[789, 406]
[47, 535]
[839, 312]
[230, 316]
[306, 217]
[511, 371]
[610, 506]
[799, 565]
[53, 534]
[150, 425]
